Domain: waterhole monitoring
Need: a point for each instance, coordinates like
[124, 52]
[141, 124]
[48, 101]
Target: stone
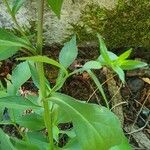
[54, 29]
[135, 84]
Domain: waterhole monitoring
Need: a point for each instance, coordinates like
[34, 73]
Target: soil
[136, 91]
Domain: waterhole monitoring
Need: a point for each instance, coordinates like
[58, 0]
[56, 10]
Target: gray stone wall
[54, 29]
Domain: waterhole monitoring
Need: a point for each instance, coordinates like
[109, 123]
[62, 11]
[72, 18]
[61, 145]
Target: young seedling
[118, 63]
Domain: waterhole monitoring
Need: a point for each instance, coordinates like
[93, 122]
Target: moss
[127, 25]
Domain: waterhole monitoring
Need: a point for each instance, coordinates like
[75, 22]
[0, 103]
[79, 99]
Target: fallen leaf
[147, 80]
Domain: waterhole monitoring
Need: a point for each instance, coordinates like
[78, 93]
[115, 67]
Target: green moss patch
[127, 25]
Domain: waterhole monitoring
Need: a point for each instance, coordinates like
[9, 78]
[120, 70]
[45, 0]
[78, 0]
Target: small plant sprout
[117, 63]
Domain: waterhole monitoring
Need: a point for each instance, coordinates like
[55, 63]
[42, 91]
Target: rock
[143, 117]
[55, 29]
[135, 84]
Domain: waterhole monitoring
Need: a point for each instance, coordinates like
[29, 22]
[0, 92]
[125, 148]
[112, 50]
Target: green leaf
[68, 53]
[103, 50]
[125, 55]
[56, 133]
[35, 77]
[59, 116]
[56, 6]
[5, 143]
[71, 134]
[44, 59]
[92, 65]
[73, 144]
[3, 94]
[119, 72]
[99, 86]
[10, 44]
[32, 121]
[132, 64]
[92, 122]
[13, 114]
[123, 146]
[112, 56]
[17, 102]
[60, 78]
[6, 51]
[1, 113]
[10, 40]
[17, 5]
[38, 139]
[20, 75]
[11, 90]
[34, 74]
[23, 145]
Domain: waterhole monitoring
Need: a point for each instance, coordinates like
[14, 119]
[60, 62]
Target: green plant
[118, 63]
[94, 127]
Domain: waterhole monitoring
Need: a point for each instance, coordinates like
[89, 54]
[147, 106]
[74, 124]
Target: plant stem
[40, 69]
[48, 123]
[40, 7]
[47, 112]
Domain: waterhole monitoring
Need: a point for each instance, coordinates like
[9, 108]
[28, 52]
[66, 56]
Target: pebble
[135, 84]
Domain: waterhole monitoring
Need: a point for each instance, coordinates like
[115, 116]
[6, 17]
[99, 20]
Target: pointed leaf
[68, 53]
[112, 56]
[119, 72]
[60, 77]
[56, 6]
[38, 139]
[10, 40]
[6, 52]
[44, 59]
[92, 65]
[35, 77]
[32, 121]
[125, 55]
[99, 86]
[17, 5]
[103, 50]
[34, 74]
[5, 143]
[56, 133]
[132, 64]
[11, 90]
[20, 75]
[17, 102]
[92, 122]
[9, 44]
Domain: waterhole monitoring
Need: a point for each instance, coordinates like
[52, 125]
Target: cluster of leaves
[93, 126]
[126, 25]
[97, 123]
[118, 63]
[16, 5]
[98, 130]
